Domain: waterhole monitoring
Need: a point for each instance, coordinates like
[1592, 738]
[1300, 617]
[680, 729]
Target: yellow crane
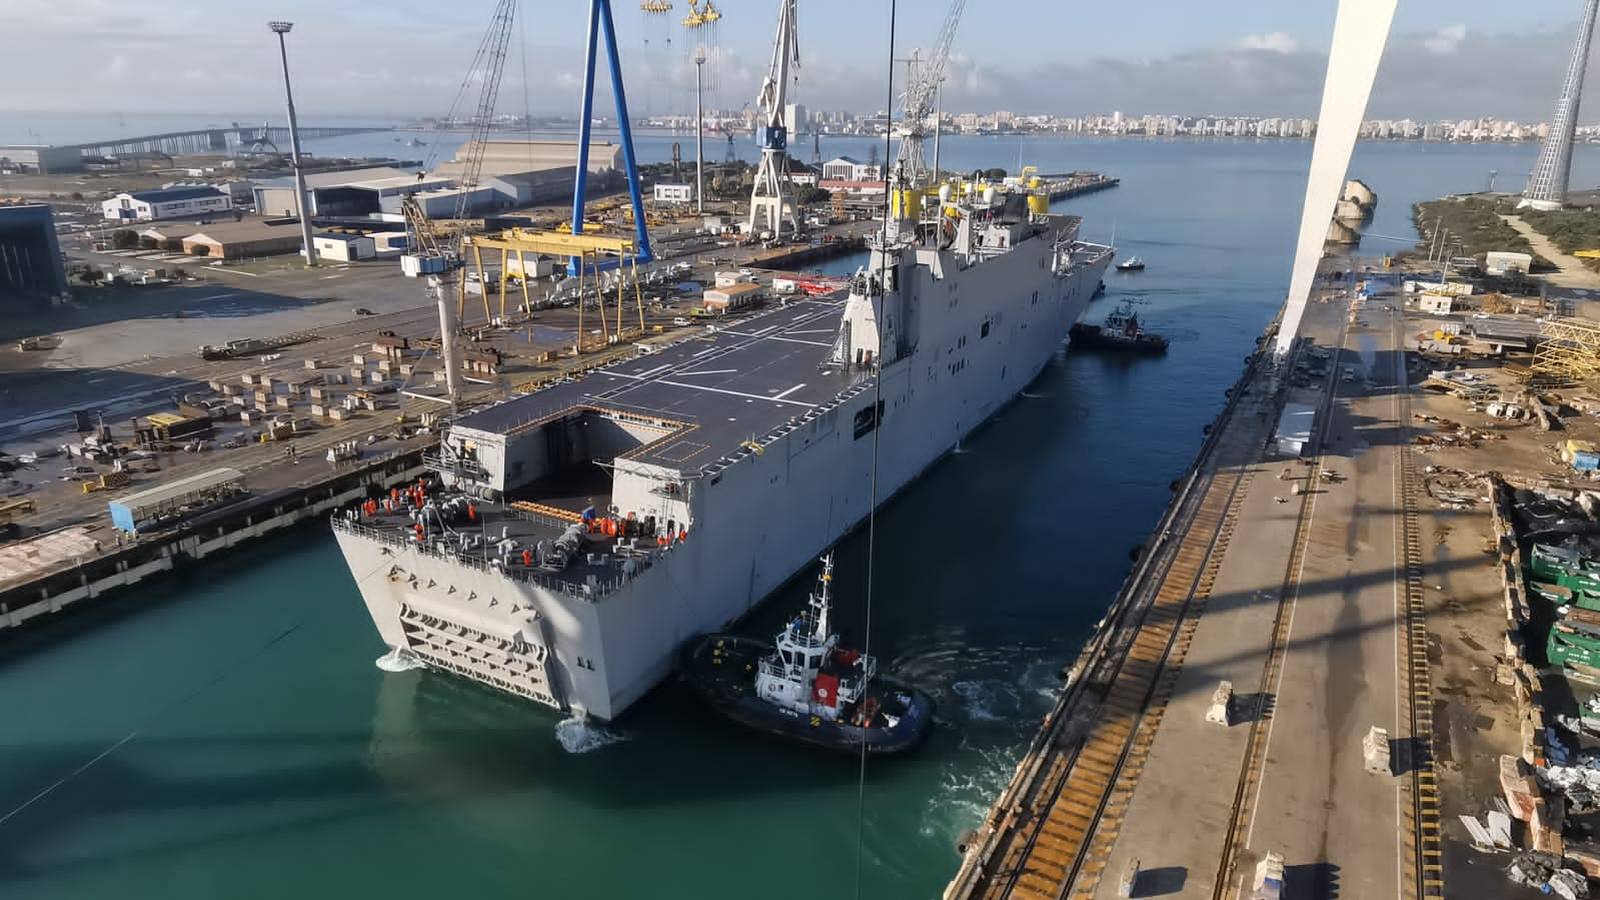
[588, 249]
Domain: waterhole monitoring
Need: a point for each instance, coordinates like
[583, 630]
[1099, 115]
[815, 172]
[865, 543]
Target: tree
[92, 275]
[810, 193]
[148, 242]
[994, 174]
[76, 195]
[124, 239]
[172, 245]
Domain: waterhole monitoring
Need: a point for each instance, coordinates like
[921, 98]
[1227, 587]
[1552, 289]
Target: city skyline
[1238, 55]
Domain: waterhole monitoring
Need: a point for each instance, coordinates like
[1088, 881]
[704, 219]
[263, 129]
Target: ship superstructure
[576, 538]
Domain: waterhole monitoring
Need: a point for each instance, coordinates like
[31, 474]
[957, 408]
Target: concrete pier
[1292, 580]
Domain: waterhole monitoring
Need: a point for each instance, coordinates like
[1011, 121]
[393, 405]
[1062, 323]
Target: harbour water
[226, 733]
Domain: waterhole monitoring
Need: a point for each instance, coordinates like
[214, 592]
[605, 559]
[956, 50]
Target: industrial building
[532, 172]
[30, 257]
[151, 507]
[354, 192]
[1501, 262]
[674, 193]
[243, 239]
[512, 157]
[39, 159]
[846, 168]
[185, 202]
[344, 247]
[389, 243]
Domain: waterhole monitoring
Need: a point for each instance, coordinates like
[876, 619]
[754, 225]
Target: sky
[1447, 59]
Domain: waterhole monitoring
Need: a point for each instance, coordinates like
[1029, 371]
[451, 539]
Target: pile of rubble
[1449, 433]
[1455, 488]
[1550, 874]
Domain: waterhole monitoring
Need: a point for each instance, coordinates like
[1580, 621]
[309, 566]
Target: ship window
[985, 332]
[867, 419]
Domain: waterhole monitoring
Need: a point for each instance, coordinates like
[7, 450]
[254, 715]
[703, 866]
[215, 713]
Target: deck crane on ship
[772, 198]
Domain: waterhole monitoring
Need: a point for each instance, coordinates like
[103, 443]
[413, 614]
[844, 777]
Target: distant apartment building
[674, 193]
[166, 203]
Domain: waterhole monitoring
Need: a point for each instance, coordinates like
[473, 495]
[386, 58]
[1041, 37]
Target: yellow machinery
[13, 509]
[1587, 254]
[1570, 349]
[589, 249]
[701, 14]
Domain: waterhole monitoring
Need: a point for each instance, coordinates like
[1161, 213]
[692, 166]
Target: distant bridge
[210, 140]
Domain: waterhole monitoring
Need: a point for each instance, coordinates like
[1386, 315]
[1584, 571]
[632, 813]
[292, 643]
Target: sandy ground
[1572, 272]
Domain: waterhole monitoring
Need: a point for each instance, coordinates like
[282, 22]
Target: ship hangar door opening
[567, 459]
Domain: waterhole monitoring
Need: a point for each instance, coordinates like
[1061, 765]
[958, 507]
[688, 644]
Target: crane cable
[877, 438]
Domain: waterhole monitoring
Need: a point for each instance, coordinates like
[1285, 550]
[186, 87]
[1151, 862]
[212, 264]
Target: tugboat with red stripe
[808, 688]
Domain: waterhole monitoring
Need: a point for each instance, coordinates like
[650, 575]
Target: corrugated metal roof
[167, 195]
[177, 490]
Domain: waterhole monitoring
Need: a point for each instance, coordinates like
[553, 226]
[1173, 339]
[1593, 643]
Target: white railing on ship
[586, 590]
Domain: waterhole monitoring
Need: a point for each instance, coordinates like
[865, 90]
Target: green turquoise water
[224, 733]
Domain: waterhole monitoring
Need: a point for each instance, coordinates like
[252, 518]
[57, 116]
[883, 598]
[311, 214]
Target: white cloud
[1446, 40]
[1275, 42]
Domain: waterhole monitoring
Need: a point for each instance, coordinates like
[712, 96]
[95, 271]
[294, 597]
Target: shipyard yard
[689, 498]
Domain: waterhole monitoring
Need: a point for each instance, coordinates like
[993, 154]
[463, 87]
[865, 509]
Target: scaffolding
[1567, 349]
[592, 251]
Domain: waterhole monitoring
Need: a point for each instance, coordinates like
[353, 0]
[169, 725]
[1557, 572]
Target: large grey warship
[579, 536]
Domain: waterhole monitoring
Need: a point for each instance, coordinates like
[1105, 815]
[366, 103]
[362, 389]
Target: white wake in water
[987, 701]
[579, 735]
[1029, 396]
[399, 660]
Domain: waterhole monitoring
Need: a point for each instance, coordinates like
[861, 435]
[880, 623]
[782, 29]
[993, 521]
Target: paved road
[1337, 827]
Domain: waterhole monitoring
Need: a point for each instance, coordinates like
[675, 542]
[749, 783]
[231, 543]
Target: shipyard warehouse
[30, 256]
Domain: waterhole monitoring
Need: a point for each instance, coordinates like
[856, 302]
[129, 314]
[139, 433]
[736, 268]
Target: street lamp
[699, 134]
[302, 204]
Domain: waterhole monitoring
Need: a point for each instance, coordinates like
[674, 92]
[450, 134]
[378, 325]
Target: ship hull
[756, 523]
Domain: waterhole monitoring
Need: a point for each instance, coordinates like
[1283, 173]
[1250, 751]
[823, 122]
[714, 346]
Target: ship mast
[820, 605]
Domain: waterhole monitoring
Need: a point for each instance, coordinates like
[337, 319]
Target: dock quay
[1220, 711]
[1077, 184]
[57, 569]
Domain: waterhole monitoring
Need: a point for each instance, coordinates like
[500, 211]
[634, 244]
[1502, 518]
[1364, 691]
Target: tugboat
[1121, 331]
[808, 688]
[1131, 264]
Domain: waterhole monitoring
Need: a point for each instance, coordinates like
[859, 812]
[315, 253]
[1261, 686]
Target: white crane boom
[772, 202]
[922, 84]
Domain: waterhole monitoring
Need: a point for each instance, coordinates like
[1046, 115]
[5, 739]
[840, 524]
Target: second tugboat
[807, 687]
[1121, 331]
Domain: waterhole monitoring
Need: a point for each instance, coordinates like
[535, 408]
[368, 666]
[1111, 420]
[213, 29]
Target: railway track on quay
[1051, 833]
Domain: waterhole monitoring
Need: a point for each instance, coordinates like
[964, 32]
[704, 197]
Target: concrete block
[1375, 752]
[1220, 710]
